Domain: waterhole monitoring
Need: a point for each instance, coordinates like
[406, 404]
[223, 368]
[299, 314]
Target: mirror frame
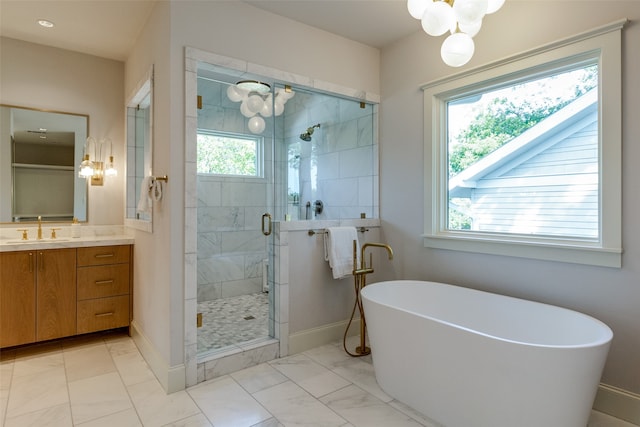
[136, 171]
[81, 187]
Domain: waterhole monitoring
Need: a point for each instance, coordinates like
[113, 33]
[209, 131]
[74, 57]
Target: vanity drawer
[103, 281]
[102, 255]
[103, 313]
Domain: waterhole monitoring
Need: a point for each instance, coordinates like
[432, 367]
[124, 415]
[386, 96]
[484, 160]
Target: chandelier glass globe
[255, 103]
[256, 124]
[416, 7]
[438, 18]
[469, 11]
[235, 94]
[245, 110]
[457, 49]
[471, 29]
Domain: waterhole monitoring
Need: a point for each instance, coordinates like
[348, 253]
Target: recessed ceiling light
[45, 23]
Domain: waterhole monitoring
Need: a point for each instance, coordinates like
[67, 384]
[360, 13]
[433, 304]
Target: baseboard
[618, 403]
[171, 378]
[326, 334]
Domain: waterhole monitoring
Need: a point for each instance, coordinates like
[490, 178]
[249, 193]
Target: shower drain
[249, 318]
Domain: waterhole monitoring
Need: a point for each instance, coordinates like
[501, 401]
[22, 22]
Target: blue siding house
[544, 181]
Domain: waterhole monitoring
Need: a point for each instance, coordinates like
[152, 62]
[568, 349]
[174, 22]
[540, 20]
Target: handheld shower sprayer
[306, 136]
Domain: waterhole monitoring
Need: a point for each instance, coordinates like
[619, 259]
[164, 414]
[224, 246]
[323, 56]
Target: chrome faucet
[39, 227]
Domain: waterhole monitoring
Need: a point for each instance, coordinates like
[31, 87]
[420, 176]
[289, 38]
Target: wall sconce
[97, 169]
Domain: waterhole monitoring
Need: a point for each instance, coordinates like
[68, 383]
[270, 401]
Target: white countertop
[9, 245]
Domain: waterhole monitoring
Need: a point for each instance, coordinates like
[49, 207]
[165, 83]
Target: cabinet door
[56, 293]
[17, 298]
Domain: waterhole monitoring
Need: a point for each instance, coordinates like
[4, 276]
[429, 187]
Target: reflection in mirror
[139, 154]
[38, 154]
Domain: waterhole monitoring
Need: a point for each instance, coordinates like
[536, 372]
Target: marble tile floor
[102, 380]
[231, 321]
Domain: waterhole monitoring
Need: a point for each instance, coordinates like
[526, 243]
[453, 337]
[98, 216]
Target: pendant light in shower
[256, 101]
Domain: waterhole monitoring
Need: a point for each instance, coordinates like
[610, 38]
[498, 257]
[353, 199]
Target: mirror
[39, 151]
[139, 154]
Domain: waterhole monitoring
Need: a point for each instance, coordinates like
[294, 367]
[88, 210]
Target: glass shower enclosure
[292, 155]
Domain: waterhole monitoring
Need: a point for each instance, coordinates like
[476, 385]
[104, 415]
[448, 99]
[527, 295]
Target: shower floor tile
[231, 321]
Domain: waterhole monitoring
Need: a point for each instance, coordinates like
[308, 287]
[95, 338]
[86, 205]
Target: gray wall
[610, 294]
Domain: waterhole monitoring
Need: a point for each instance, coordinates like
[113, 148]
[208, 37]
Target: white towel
[144, 204]
[338, 250]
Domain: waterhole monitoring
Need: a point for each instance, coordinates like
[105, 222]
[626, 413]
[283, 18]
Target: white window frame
[259, 141]
[603, 43]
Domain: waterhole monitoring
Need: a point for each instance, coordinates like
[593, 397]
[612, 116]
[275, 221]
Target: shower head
[306, 136]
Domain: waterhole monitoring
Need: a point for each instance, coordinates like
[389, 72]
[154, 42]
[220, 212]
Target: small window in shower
[222, 153]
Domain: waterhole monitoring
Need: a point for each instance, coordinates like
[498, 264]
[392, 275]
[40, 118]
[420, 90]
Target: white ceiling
[375, 23]
[108, 28]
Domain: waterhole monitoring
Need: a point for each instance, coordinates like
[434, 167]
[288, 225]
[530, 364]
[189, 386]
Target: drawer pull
[110, 313]
[104, 282]
[104, 255]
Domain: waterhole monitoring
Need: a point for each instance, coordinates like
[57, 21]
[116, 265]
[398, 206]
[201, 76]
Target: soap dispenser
[75, 228]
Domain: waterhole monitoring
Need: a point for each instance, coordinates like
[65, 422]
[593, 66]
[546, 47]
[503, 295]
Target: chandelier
[257, 101]
[461, 18]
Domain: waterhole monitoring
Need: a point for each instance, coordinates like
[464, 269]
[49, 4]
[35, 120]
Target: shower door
[235, 190]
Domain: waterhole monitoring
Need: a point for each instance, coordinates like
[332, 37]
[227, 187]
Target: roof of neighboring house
[540, 137]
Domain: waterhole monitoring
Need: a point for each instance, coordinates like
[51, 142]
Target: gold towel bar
[164, 178]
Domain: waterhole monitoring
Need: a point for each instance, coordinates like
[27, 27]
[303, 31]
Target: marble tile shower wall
[230, 244]
[337, 165]
[231, 247]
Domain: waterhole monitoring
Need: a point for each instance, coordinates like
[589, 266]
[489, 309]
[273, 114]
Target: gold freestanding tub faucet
[360, 281]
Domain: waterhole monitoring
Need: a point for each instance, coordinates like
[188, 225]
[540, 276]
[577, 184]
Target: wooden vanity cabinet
[37, 295]
[55, 293]
[104, 288]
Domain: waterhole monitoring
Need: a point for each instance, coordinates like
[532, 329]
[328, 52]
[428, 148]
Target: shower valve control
[318, 206]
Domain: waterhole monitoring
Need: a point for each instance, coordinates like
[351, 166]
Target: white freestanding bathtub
[468, 358]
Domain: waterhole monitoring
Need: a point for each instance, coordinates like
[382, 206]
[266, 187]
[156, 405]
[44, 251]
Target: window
[228, 154]
[523, 157]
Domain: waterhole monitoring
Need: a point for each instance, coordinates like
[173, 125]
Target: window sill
[588, 255]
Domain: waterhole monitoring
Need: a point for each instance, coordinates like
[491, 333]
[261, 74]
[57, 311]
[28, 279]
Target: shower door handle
[266, 230]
